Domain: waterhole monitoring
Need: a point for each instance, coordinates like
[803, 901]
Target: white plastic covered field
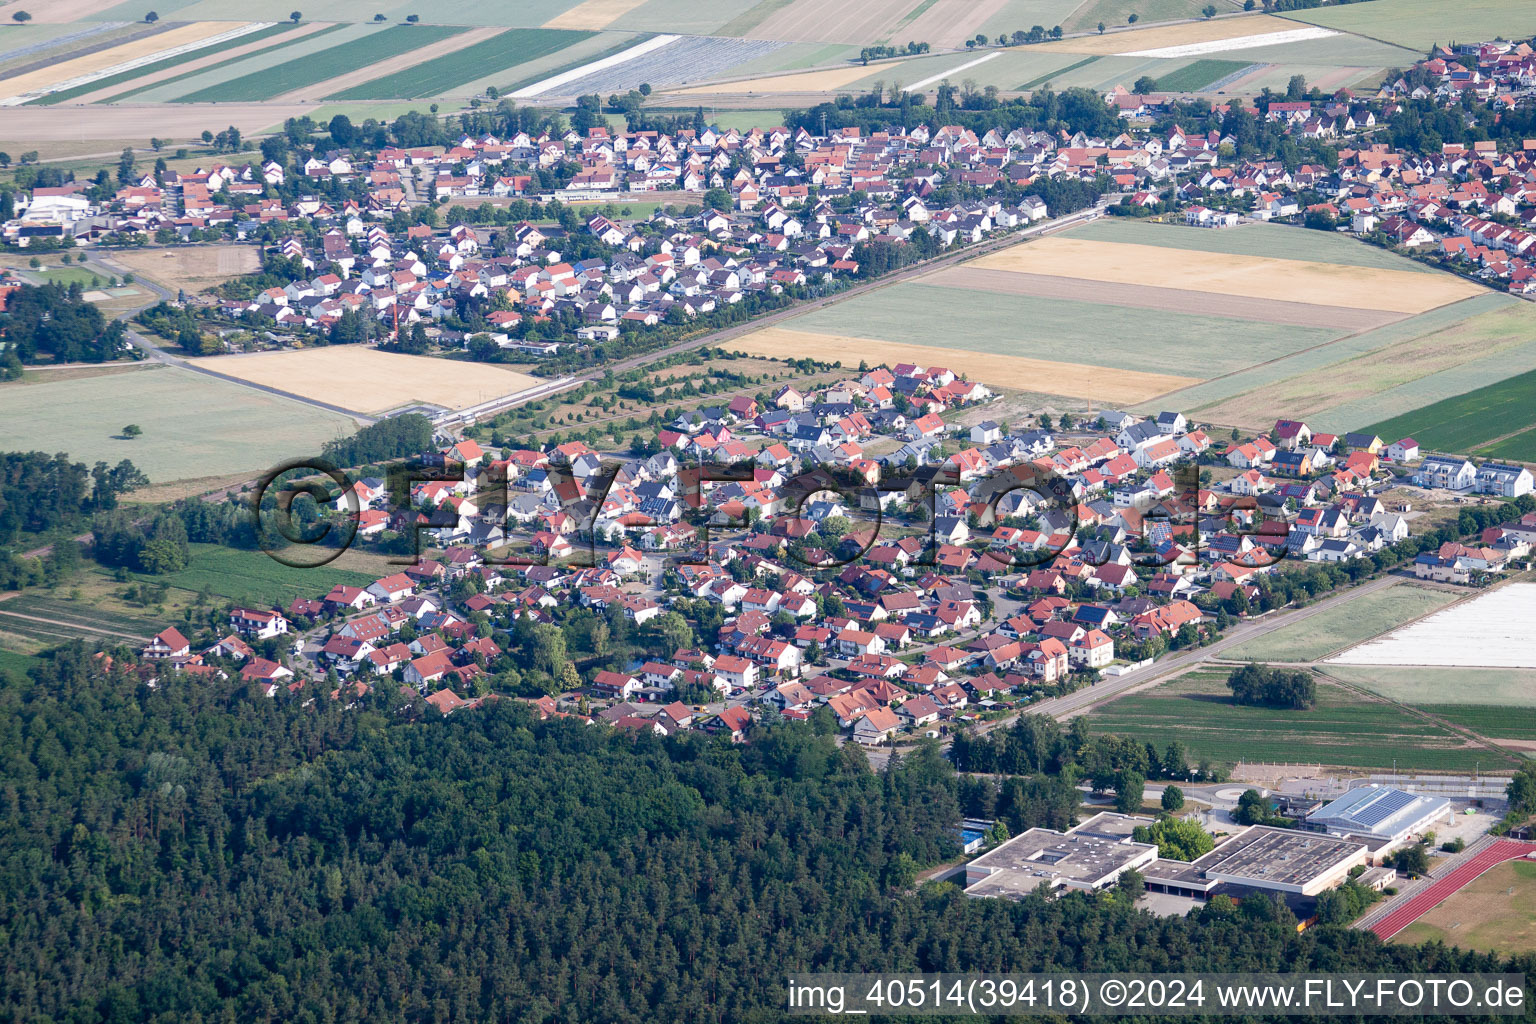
[1497, 630]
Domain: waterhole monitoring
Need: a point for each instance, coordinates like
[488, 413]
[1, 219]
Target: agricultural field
[1268, 241]
[499, 53]
[83, 92]
[1444, 689]
[1343, 729]
[256, 578]
[190, 267]
[677, 61]
[325, 66]
[1318, 635]
[1200, 74]
[70, 71]
[1321, 283]
[1246, 392]
[1420, 24]
[230, 63]
[1495, 913]
[1472, 421]
[1113, 12]
[371, 381]
[1038, 375]
[1062, 304]
[48, 619]
[1491, 630]
[1517, 724]
[194, 426]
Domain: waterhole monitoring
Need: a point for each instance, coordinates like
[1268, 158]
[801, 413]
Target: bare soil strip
[1175, 300]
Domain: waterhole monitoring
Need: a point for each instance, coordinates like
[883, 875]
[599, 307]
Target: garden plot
[680, 60]
[1490, 631]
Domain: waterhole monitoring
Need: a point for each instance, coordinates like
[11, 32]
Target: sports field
[1420, 24]
[1322, 633]
[194, 426]
[1471, 421]
[1443, 687]
[1495, 913]
[497, 54]
[1342, 729]
[323, 66]
[367, 380]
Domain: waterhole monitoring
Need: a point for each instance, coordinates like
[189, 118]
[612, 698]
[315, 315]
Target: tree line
[198, 852]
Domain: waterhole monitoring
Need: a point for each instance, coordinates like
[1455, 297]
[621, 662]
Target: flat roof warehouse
[1094, 854]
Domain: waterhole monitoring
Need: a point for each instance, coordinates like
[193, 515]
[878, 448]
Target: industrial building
[1094, 854]
[1091, 856]
[1380, 813]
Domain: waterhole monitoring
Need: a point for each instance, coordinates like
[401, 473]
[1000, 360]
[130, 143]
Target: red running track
[1438, 891]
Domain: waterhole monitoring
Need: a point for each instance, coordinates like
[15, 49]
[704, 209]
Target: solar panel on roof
[1378, 812]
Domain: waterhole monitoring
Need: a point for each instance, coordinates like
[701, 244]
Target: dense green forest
[55, 321]
[193, 852]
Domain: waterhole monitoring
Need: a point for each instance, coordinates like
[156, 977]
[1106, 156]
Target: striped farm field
[65, 71]
[435, 77]
[1196, 76]
[327, 64]
[308, 34]
[1343, 728]
[138, 74]
[1463, 423]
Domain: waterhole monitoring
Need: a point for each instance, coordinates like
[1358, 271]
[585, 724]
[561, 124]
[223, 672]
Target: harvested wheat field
[1161, 36]
[191, 268]
[1174, 300]
[803, 81]
[1324, 284]
[65, 70]
[61, 131]
[367, 380]
[1070, 380]
[593, 15]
